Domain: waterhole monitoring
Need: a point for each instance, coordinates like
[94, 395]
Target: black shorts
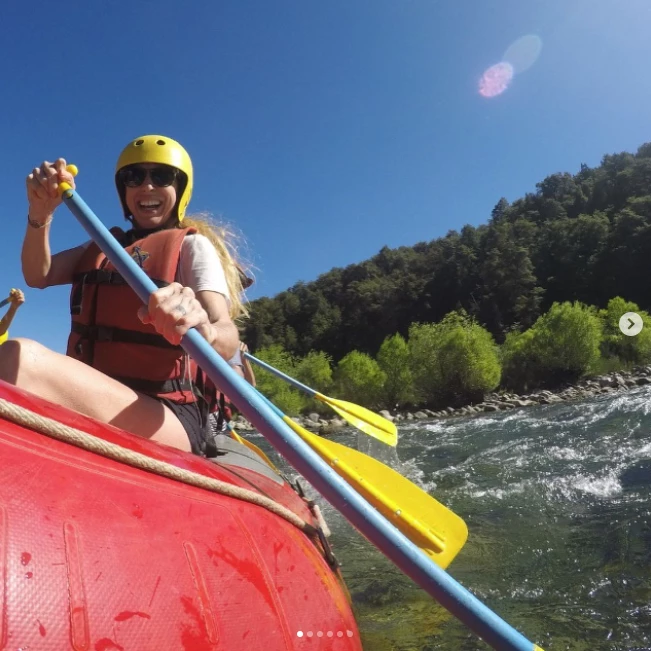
[194, 418]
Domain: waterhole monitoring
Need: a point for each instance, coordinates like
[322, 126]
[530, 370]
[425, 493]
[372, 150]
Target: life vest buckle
[99, 333]
[106, 276]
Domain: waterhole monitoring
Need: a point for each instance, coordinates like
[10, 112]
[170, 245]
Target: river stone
[491, 407]
[618, 380]
[326, 428]
[386, 414]
[420, 415]
[521, 403]
[314, 417]
[640, 381]
[409, 416]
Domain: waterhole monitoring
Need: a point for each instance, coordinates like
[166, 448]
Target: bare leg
[73, 384]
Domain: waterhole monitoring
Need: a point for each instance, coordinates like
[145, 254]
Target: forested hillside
[584, 237]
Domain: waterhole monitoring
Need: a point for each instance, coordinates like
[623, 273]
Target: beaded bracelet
[35, 224]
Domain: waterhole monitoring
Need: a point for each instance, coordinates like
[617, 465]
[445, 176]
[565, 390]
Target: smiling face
[150, 205]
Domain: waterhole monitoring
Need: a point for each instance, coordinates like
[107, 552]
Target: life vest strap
[98, 277]
[107, 277]
[102, 334]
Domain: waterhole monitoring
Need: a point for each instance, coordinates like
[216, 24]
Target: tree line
[457, 361]
[577, 240]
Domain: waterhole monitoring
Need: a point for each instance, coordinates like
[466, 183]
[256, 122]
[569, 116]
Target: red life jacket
[106, 332]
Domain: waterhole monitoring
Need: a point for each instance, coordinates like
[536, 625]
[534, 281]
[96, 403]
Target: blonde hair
[224, 239]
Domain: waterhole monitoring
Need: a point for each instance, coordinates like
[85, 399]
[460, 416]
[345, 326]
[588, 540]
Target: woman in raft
[124, 365]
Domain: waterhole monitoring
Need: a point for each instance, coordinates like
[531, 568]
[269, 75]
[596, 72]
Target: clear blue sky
[322, 130]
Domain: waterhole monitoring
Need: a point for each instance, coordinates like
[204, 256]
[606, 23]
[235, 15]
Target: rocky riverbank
[586, 388]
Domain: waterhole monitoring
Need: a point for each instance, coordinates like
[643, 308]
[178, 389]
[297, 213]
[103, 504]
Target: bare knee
[20, 359]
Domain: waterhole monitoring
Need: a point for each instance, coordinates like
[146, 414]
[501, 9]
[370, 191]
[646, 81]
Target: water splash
[556, 499]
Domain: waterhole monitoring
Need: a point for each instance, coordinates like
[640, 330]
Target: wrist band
[35, 224]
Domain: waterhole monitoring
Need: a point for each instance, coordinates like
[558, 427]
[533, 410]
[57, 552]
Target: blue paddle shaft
[275, 371]
[379, 531]
[5, 302]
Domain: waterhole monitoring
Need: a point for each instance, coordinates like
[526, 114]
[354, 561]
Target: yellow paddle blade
[364, 419]
[253, 447]
[430, 525]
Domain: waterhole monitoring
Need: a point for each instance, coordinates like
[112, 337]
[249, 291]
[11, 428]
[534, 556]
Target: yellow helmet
[163, 150]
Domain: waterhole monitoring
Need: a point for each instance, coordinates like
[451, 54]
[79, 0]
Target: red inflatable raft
[98, 555]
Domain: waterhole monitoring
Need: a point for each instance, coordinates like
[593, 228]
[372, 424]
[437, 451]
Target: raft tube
[99, 555]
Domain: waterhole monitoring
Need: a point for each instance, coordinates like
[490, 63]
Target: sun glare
[496, 79]
[519, 56]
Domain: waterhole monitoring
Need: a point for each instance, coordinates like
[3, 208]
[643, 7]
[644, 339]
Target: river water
[556, 499]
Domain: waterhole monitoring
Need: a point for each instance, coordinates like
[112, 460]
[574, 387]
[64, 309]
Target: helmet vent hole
[139, 142]
[160, 142]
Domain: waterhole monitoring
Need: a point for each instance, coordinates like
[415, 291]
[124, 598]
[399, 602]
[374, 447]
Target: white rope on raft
[61, 432]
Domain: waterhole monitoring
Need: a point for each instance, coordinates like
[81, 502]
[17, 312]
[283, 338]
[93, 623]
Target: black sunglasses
[161, 176]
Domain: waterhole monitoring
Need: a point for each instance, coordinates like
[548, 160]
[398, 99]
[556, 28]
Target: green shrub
[561, 346]
[631, 350]
[566, 342]
[454, 361]
[358, 378]
[315, 371]
[520, 367]
[287, 399]
[393, 359]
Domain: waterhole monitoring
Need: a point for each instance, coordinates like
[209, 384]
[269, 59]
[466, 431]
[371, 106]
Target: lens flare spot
[523, 53]
[496, 79]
